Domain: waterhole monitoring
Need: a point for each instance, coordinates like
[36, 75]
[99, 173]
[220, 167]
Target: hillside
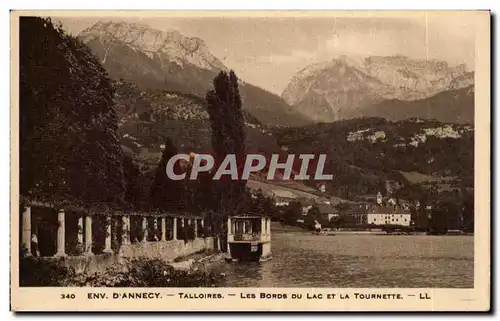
[365, 155]
[148, 117]
[344, 88]
[369, 154]
[448, 106]
[154, 59]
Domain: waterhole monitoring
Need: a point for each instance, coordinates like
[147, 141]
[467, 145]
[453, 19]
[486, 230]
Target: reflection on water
[307, 260]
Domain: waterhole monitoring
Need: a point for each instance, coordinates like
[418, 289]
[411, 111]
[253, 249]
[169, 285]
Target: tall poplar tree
[165, 193]
[228, 137]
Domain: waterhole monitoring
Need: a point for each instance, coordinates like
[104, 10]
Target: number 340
[67, 296]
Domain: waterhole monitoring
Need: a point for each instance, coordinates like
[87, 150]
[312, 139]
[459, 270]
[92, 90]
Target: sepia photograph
[237, 150]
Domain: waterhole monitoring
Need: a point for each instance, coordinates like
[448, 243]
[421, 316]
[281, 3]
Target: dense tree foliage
[228, 137]
[68, 144]
[133, 178]
[167, 194]
[362, 162]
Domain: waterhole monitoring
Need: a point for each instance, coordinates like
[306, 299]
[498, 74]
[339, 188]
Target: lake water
[301, 259]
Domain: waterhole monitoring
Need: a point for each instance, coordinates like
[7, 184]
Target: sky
[268, 52]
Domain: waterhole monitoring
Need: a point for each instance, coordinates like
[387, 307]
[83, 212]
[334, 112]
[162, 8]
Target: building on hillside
[306, 204]
[282, 197]
[328, 212]
[305, 209]
[389, 200]
[324, 200]
[399, 202]
[284, 148]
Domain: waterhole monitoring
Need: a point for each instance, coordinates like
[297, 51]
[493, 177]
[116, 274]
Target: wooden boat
[249, 237]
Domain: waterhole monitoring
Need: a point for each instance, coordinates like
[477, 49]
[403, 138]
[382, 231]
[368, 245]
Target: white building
[305, 209]
[324, 200]
[281, 202]
[283, 197]
[328, 212]
[388, 215]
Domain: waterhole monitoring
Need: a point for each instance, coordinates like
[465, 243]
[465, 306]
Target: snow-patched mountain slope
[344, 88]
[167, 60]
[171, 45]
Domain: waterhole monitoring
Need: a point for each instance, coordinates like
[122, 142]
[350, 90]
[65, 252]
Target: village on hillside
[318, 211]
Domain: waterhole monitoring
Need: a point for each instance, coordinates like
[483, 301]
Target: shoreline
[277, 228]
[202, 261]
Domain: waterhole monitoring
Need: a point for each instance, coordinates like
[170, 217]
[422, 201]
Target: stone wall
[168, 251]
[93, 263]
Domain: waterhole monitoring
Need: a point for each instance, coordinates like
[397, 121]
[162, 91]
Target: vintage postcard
[250, 161]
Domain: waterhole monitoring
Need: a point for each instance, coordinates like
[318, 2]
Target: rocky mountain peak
[343, 87]
[155, 59]
[170, 45]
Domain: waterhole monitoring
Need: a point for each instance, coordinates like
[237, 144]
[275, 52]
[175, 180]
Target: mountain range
[394, 87]
[167, 60]
[408, 109]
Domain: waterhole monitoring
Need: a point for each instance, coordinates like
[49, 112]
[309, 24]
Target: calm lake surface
[301, 259]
